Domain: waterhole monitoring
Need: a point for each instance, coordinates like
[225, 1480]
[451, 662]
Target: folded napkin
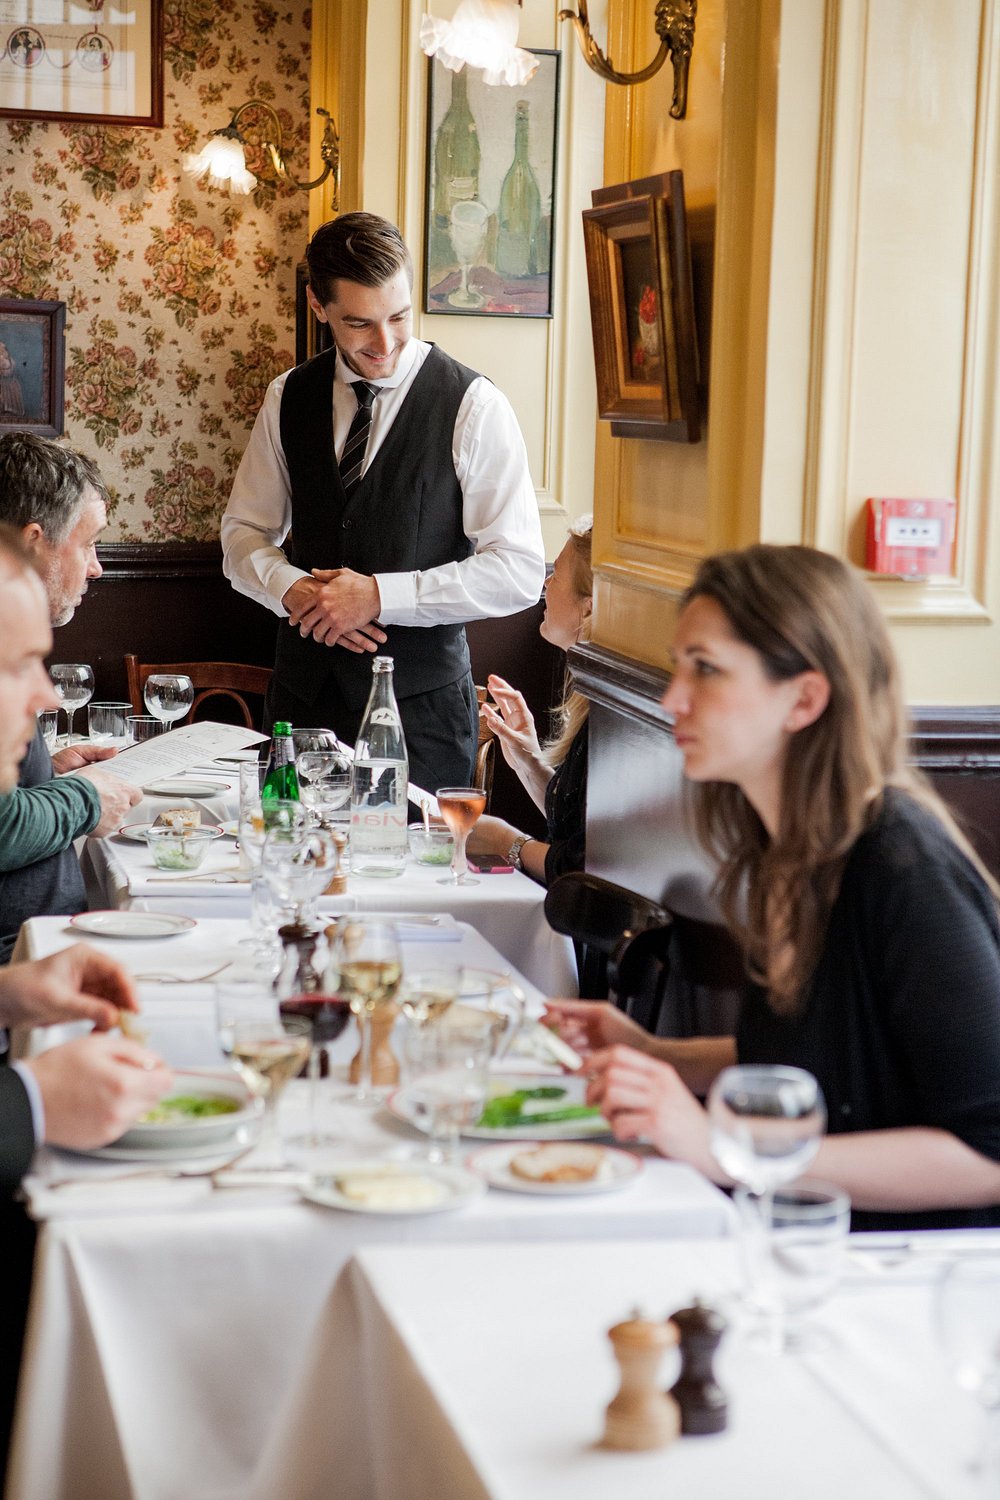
[113, 1194]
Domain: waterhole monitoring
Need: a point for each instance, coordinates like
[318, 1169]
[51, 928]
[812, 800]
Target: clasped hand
[337, 607]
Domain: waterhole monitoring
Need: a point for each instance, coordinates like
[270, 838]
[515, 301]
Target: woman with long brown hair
[870, 928]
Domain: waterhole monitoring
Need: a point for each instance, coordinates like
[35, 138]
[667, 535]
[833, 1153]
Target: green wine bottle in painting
[520, 206]
[456, 166]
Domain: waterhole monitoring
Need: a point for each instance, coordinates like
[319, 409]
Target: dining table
[172, 1315]
[508, 909]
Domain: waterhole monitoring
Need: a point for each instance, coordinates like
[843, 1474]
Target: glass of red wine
[461, 808]
[327, 1015]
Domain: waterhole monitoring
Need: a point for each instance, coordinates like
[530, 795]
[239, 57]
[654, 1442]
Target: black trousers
[441, 727]
[17, 1249]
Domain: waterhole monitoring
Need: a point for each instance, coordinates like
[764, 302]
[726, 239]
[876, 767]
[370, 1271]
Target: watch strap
[514, 852]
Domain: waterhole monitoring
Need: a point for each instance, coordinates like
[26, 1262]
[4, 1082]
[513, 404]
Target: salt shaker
[702, 1401]
[641, 1417]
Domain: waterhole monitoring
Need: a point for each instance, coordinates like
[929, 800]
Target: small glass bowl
[431, 846]
[176, 850]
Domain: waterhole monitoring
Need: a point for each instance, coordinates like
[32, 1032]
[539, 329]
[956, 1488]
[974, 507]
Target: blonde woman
[555, 774]
[870, 927]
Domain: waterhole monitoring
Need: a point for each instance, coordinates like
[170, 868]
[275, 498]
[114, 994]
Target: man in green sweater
[56, 501]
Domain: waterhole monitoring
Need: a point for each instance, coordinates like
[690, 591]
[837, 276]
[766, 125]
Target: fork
[183, 978]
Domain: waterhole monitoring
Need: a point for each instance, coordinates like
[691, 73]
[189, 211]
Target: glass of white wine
[370, 965]
[168, 695]
[268, 1053]
[426, 994]
[74, 685]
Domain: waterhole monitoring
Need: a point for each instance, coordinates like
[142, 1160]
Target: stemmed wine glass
[461, 808]
[74, 685]
[469, 220]
[447, 1080]
[766, 1124]
[298, 864]
[967, 1317]
[268, 1053]
[325, 784]
[168, 695]
[368, 959]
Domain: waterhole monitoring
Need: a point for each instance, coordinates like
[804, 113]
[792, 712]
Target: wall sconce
[483, 35]
[222, 159]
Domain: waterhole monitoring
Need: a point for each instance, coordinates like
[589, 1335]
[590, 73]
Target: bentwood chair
[598, 916]
[212, 679]
[485, 751]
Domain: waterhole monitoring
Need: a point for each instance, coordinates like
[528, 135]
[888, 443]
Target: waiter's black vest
[404, 516]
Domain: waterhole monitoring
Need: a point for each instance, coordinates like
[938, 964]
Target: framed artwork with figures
[642, 310]
[82, 60]
[32, 366]
[491, 185]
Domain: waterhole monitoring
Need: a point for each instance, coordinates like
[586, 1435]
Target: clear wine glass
[370, 965]
[325, 784]
[426, 994]
[268, 1054]
[447, 1079]
[766, 1124]
[74, 685]
[298, 864]
[461, 808]
[967, 1319]
[807, 1224]
[168, 695]
[48, 721]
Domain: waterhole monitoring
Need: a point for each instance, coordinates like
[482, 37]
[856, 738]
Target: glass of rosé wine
[461, 808]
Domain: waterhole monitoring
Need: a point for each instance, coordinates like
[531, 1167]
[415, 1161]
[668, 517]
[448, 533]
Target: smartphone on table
[490, 864]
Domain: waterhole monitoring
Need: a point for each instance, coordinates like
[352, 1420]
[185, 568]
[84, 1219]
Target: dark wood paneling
[170, 602]
[638, 825]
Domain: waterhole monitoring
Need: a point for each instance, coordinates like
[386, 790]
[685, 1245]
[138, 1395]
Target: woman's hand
[512, 722]
[589, 1025]
[642, 1098]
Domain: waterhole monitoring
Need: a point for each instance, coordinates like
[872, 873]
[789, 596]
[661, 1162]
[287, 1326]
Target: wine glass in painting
[74, 685]
[461, 808]
[469, 221]
[168, 695]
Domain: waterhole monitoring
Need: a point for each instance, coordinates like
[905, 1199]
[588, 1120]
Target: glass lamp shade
[222, 162]
[482, 33]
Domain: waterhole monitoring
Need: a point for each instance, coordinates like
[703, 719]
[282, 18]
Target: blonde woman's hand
[512, 722]
[589, 1025]
[644, 1099]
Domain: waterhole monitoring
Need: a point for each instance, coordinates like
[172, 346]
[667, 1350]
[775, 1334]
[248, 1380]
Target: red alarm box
[911, 538]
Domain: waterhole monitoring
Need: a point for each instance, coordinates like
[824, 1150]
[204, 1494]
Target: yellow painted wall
[857, 286]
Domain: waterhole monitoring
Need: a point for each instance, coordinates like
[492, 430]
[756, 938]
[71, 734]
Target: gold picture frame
[642, 310]
[80, 62]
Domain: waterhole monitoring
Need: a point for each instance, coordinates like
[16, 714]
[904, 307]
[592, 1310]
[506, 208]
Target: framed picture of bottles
[491, 181]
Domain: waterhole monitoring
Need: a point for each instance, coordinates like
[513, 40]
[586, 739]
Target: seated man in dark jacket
[55, 499]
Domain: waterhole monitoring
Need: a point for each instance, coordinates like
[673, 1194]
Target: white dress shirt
[499, 509]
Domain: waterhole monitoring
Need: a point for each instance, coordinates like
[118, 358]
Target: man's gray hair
[43, 482]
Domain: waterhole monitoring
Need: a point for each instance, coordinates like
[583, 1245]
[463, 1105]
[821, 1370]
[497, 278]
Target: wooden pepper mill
[385, 1067]
[702, 1401]
[641, 1417]
[338, 880]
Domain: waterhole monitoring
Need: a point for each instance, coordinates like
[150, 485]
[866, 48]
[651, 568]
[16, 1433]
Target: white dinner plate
[457, 1186]
[131, 924]
[137, 831]
[398, 1104]
[180, 786]
[617, 1170]
[222, 1153]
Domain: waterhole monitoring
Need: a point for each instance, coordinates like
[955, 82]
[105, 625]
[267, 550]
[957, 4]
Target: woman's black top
[566, 811]
[902, 1023]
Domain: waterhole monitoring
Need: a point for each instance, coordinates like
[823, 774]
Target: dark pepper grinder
[703, 1404]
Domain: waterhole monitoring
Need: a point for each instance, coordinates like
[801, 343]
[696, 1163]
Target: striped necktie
[353, 457]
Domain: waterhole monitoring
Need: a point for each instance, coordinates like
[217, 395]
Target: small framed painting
[82, 60]
[491, 185]
[32, 366]
[642, 311]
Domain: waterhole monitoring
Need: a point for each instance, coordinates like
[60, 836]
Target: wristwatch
[514, 852]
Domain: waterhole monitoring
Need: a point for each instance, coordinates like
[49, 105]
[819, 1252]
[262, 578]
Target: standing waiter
[401, 483]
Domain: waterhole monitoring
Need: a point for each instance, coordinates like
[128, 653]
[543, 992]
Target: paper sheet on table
[179, 749]
[416, 794]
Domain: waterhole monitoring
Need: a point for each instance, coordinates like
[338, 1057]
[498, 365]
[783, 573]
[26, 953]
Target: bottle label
[384, 716]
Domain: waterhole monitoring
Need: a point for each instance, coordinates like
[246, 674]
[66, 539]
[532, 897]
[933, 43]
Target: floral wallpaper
[180, 300]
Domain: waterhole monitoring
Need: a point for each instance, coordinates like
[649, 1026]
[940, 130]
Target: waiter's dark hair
[363, 248]
[43, 482]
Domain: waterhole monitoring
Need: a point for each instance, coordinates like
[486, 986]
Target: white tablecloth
[506, 909]
[485, 1371]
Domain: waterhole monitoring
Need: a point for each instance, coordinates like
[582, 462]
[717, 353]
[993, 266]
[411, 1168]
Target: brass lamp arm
[329, 146]
[674, 21]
